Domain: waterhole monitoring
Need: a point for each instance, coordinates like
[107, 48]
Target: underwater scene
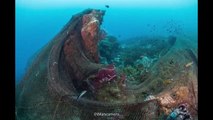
[106, 60]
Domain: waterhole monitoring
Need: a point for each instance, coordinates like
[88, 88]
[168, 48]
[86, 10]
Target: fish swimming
[107, 6]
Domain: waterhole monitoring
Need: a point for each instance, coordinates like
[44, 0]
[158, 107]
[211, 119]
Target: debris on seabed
[150, 97]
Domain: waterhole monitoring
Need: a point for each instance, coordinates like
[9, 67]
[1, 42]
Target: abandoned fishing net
[84, 74]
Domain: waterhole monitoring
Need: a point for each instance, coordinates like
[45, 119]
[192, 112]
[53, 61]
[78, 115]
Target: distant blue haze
[36, 26]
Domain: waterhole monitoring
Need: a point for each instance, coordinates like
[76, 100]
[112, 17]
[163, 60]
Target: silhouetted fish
[107, 6]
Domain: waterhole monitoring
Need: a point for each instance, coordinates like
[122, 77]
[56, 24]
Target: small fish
[189, 64]
[107, 6]
[82, 93]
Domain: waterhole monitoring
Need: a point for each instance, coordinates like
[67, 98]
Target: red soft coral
[104, 76]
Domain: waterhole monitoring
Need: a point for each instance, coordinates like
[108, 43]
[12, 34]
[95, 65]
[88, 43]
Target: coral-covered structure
[91, 33]
[103, 76]
[69, 64]
[80, 51]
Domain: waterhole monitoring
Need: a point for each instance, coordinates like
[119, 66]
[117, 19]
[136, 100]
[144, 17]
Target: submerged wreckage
[72, 84]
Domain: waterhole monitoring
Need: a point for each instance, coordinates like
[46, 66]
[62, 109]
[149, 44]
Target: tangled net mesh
[56, 77]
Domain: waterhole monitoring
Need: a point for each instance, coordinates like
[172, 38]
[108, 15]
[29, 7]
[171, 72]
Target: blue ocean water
[37, 21]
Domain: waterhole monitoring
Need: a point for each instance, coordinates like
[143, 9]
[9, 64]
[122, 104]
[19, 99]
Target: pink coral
[103, 76]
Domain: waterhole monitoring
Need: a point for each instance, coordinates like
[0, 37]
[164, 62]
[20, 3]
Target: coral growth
[103, 76]
[108, 48]
[91, 32]
[145, 62]
[150, 75]
[178, 95]
[135, 48]
[115, 91]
